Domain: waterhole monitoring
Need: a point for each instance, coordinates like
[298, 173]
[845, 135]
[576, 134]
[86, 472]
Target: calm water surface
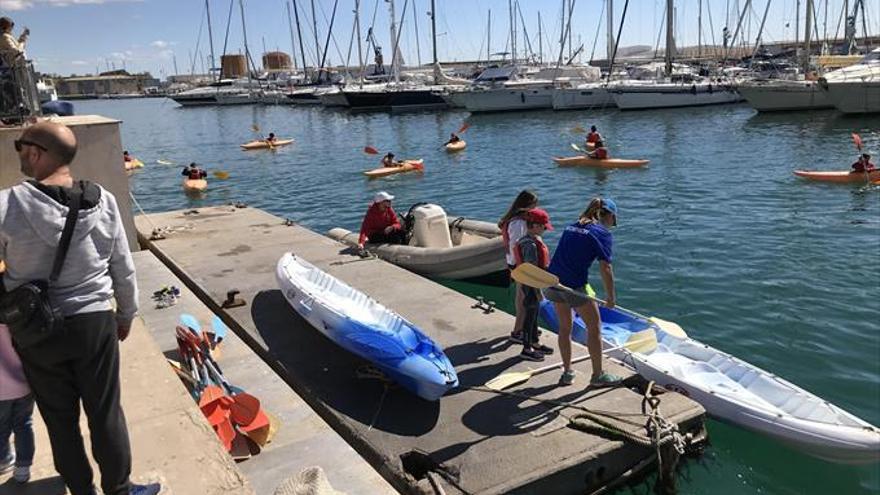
[716, 234]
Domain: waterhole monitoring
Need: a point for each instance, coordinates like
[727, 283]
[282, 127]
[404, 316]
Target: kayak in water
[408, 166]
[263, 144]
[456, 146]
[839, 176]
[586, 161]
[133, 164]
[195, 185]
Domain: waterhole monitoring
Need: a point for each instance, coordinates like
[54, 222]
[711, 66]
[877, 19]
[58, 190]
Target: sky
[82, 36]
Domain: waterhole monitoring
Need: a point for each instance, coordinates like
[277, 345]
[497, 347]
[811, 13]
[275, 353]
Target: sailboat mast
[302, 51]
[699, 28]
[247, 53]
[394, 69]
[416, 24]
[489, 38]
[434, 33]
[357, 27]
[540, 41]
[292, 39]
[317, 43]
[210, 38]
[808, 27]
[797, 22]
[610, 21]
[670, 39]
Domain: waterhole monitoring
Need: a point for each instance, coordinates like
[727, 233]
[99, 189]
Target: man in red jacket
[381, 224]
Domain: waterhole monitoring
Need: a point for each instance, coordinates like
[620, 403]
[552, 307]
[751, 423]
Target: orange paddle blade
[463, 128]
[370, 150]
[245, 408]
[857, 140]
[226, 432]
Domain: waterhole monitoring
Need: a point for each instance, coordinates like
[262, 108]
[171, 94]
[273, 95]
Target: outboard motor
[430, 227]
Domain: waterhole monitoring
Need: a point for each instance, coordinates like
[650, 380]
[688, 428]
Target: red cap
[537, 215]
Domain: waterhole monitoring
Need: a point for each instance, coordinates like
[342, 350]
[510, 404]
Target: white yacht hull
[856, 97]
[582, 98]
[671, 96]
[508, 99]
[785, 95]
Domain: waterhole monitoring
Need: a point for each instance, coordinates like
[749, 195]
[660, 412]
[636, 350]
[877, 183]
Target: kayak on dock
[839, 176]
[195, 185]
[586, 161]
[456, 146]
[734, 390]
[263, 144]
[408, 166]
[366, 328]
[441, 247]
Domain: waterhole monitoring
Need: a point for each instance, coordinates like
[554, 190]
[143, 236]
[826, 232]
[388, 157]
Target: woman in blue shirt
[583, 242]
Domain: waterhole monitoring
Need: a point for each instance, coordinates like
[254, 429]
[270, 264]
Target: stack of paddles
[237, 417]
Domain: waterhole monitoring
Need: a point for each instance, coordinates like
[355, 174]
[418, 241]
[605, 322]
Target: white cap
[382, 196]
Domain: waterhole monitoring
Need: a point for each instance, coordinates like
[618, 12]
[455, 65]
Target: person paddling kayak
[389, 161]
[863, 164]
[453, 138]
[193, 172]
[600, 152]
[593, 137]
[271, 139]
[587, 240]
[381, 224]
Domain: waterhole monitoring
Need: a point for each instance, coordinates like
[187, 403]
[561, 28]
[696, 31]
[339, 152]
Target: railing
[19, 98]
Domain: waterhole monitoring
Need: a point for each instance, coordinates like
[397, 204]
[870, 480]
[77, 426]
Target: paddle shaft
[577, 359]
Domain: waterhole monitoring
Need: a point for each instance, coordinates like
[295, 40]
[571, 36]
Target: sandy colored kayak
[195, 185]
[839, 176]
[457, 146]
[133, 164]
[585, 161]
[261, 144]
[408, 166]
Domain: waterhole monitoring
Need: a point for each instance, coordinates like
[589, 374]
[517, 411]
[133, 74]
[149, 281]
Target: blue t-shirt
[579, 246]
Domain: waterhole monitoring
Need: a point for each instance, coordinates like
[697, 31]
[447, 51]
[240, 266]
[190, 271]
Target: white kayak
[736, 391]
[365, 328]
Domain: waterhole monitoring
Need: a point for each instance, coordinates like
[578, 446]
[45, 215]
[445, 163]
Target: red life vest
[543, 253]
[195, 174]
[601, 153]
[592, 137]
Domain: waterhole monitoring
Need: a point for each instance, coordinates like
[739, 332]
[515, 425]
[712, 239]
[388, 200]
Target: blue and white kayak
[735, 391]
[364, 327]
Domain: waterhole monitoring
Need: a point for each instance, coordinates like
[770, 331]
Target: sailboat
[855, 89]
[668, 93]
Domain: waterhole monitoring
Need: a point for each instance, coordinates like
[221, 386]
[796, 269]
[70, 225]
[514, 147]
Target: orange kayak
[839, 176]
[195, 185]
[408, 166]
[594, 162]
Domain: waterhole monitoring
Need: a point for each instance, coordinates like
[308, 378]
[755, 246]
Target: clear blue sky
[78, 36]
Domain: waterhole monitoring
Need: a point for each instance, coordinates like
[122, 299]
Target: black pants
[396, 236]
[81, 363]
[531, 304]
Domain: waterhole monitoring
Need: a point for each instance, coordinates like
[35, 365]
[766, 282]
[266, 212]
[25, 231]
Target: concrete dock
[473, 441]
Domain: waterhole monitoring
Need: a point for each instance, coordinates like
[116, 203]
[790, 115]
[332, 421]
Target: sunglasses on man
[18, 143]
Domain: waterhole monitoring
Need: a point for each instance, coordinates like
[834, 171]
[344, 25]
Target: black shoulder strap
[66, 234]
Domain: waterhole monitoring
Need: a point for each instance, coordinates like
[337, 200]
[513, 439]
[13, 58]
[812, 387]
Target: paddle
[578, 148]
[636, 343]
[370, 150]
[220, 174]
[533, 276]
[578, 129]
[164, 162]
[256, 129]
[463, 128]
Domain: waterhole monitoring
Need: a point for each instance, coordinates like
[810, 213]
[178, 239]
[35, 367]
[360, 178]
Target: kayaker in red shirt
[193, 172]
[863, 164]
[126, 157]
[381, 224]
[600, 153]
[593, 137]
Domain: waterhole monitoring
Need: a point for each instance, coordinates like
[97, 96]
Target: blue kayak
[367, 329]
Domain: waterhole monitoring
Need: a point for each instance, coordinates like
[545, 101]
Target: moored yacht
[855, 89]
[778, 95]
[223, 92]
[648, 95]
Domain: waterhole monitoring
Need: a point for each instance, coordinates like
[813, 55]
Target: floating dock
[471, 441]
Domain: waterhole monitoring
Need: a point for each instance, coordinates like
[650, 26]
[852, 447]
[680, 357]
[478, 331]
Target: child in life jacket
[531, 249]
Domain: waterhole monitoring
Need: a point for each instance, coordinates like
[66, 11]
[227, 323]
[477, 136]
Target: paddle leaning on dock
[730, 389]
[365, 328]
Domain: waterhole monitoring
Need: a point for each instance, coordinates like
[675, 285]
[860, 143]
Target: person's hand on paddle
[122, 331]
[609, 302]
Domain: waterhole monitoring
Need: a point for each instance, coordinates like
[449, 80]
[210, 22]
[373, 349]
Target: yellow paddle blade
[255, 127]
[531, 275]
[221, 174]
[578, 129]
[589, 290]
[508, 380]
[577, 148]
[669, 327]
[643, 342]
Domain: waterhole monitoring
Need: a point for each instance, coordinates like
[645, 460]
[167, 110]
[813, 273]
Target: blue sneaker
[149, 489]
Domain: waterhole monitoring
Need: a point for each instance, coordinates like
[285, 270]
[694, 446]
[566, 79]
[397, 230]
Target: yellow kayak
[408, 166]
[456, 146]
[133, 164]
[262, 144]
[195, 185]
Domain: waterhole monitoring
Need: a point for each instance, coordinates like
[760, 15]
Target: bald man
[81, 363]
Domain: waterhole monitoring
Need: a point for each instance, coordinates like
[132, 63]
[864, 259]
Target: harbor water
[715, 234]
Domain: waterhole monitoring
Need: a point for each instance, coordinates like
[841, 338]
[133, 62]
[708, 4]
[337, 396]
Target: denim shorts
[574, 298]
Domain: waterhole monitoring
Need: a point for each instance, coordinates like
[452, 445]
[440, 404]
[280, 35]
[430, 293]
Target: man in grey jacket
[81, 362]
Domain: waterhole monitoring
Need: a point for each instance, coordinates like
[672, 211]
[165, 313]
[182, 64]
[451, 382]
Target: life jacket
[195, 174]
[601, 153]
[543, 253]
[592, 137]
